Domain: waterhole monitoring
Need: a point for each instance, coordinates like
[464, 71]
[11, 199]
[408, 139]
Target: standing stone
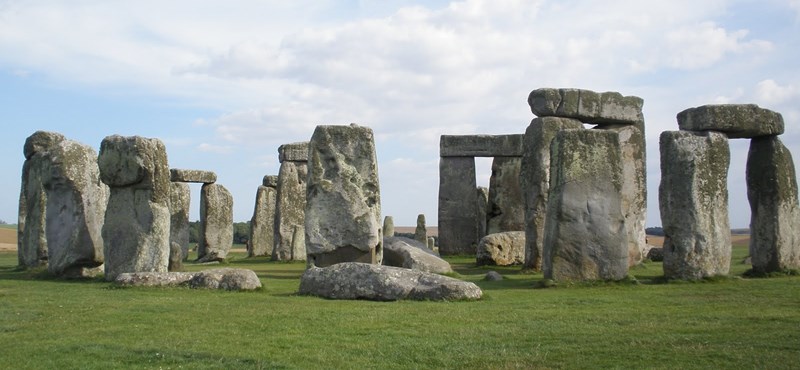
[458, 208]
[388, 227]
[343, 206]
[431, 243]
[585, 235]
[137, 221]
[693, 199]
[179, 201]
[535, 181]
[421, 232]
[216, 223]
[291, 200]
[483, 208]
[774, 212]
[506, 211]
[262, 225]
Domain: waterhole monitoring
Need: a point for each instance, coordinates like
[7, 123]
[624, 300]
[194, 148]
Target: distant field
[8, 238]
[736, 239]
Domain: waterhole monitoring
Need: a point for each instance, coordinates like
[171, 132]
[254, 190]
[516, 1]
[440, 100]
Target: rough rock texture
[62, 206]
[586, 106]
[480, 145]
[585, 234]
[774, 212]
[421, 232]
[179, 202]
[225, 278]
[458, 206]
[293, 152]
[483, 208]
[216, 223]
[137, 221]
[502, 249]
[693, 199]
[656, 254]
[262, 225]
[353, 280]
[388, 227]
[506, 208]
[175, 257]
[270, 181]
[290, 210]
[431, 243]
[735, 120]
[411, 254]
[493, 276]
[343, 209]
[535, 181]
[204, 177]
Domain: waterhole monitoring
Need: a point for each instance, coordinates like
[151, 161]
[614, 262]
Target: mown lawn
[726, 323]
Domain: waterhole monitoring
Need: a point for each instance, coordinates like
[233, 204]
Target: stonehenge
[291, 202]
[262, 225]
[505, 209]
[179, 202]
[502, 249]
[216, 223]
[421, 232]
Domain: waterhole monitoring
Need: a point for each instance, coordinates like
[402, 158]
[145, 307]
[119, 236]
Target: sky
[223, 84]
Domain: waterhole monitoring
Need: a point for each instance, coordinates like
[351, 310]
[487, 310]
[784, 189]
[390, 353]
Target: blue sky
[223, 84]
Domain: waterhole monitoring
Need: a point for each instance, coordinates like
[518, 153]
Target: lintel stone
[294, 152]
[198, 176]
[735, 120]
[480, 146]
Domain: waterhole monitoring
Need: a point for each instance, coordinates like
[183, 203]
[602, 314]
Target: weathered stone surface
[535, 181]
[388, 227]
[774, 212]
[480, 146]
[506, 208]
[735, 120]
[225, 278]
[295, 152]
[693, 200]
[351, 280]
[175, 257]
[153, 279]
[262, 225]
[197, 176]
[458, 208]
[502, 249]
[421, 232]
[62, 206]
[483, 208]
[137, 221]
[656, 254]
[270, 181]
[216, 223]
[431, 243]
[343, 209]
[585, 234]
[179, 202]
[586, 106]
[290, 210]
[493, 276]
[411, 254]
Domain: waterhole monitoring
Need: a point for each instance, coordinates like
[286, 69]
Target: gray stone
[262, 225]
[388, 227]
[483, 208]
[62, 206]
[270, 181]
[480, 146]
[290, 210]
[458, 206]
[295, 152]
[343, 209]
[774, 212]
[431, 243]
[493, 276]
[693, 199]
[656, 254]
[179, 202]
[535, 181]
[153, 279]
[224, 278]
[735, 120]
[175, 257]
[137, 221]
[586, 106]
[502, 249]
[216, 223]
[506, 208]
[411, 254]
[197, 176]
[585, 234]
[351, 280]
[421, 232]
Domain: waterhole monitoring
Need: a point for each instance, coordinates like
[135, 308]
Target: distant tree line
[658, 231]
[241, 232]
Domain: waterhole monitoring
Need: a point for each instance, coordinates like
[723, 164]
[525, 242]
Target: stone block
[735, 120]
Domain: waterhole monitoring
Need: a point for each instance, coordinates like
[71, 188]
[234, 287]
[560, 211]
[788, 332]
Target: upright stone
[262, 225]
[388, 227]
[458, 208]
[343, 206]
[535, 181]
[291, 200]
[179, 201]
[483, 209]
[774, 212]
[421, 232]
[216, 223]
[585, 235]
[506, 211]
[693, 199]
[137, 221]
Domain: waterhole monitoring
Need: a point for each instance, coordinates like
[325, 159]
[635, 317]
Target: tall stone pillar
[421, 232]
[179, 202]
[262, 225]
[506, 206]
[483, 207]
[216, 223]
[291, 201]
[458, 208]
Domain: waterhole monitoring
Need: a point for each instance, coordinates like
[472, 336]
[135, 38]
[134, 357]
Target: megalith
[585, 234]
[421, 232]
[290, 201]
[502, 249]
[216, 223]
[483, 208]
[62, 206]
[388, 227]
[262, 225]
[734, 120]
[179, 202]
[506, 208]
[137, 221]
[693, 200]
[343, 207]
[774, 212]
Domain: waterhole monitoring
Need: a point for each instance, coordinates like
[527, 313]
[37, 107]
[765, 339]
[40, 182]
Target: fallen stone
[216, 223]
[410, 254]
[656, 254]
[506, 208]
[502, 249]
[196, 176]
[352, 280]
[225, 278]
[735, 120]
[493, 276]
[586, 106]
[153, 279]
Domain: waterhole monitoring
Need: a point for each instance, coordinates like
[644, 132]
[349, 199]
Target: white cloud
[769, 92]
[704, 44]
[217, 149]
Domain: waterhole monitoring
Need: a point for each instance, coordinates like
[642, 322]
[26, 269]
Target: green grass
[722, 323]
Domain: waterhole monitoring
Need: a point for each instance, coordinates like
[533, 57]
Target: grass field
[724, 323]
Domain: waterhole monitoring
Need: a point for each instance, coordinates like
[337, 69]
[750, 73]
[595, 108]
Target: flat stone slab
[587, 106]
[224, 278]
[735, 120]
[294, 152]
[480, 145]
[354, 280]
[198, 176]
[412, 254]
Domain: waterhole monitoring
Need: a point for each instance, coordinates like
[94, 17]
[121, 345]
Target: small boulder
[411, 254]
[493, 276]
[656, 254]
[226, 278]
[502, 249]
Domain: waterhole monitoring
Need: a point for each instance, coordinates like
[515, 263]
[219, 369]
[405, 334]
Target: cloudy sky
[223, 84]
